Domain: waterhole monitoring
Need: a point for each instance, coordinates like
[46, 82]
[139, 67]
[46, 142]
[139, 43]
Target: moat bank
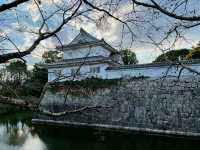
[163, 106]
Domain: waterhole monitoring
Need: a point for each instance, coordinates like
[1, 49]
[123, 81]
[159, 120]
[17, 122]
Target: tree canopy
[129, 57]
[37, 79]
[17, 66]
[173, 55]
[17, 70]
[194, 52]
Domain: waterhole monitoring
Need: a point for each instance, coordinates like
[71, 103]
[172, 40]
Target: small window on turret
[94, 69]
[75, 71]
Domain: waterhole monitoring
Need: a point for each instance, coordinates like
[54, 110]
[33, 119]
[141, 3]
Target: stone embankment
[164, 106]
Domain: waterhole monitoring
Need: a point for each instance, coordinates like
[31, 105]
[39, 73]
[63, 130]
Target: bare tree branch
[15, 3]
[42, 36]
[164, 11]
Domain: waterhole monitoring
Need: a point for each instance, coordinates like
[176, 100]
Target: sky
[17, 24]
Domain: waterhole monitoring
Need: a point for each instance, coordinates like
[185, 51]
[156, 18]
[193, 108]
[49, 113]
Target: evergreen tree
[129, 57]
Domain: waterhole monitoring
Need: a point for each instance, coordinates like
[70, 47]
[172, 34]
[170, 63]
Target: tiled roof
[196, 61]
[79, 61]
[84, 39]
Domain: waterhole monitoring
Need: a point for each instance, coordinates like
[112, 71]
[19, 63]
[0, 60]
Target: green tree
[12, 78]
[51, 56]
[129, 57]
[17, 70]
[173, 55]
[38, 78]
[194, 52]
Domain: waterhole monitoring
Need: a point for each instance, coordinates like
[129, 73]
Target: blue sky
[16, 25]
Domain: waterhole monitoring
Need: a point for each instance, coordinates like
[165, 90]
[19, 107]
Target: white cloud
[32, 9]
[45, 45]
[28, 40]
[109, 29]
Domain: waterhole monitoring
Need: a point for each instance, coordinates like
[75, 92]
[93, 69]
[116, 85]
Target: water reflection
[17, 133]
[19, 137]
[33, 142]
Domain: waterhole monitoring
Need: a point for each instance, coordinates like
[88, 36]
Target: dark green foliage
[17, 72]
[54, 88]
[8, 90]
[194, 52]
[34, 85]
[173, 55]
[17, 66]
[129, 57]
[25, 86]
[12, 78]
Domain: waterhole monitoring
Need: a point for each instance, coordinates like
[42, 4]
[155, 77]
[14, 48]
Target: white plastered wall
[86, 52]
[84, 72]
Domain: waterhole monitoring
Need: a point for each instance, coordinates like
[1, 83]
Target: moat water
[17, 133]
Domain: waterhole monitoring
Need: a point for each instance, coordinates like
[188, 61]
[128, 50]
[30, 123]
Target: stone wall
[156, 105]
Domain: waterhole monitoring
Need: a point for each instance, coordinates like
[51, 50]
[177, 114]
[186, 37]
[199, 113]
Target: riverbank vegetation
[16, 81]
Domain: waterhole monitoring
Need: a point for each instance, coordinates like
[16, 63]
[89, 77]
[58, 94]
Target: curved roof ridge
[83, 37]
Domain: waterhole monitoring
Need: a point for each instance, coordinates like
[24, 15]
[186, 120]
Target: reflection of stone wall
[7, 108]
[154, 104]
